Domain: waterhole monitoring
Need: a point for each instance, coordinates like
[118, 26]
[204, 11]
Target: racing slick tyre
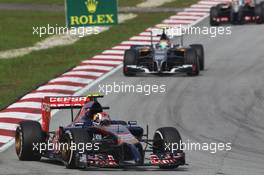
[259, 13]
[130, 58]
[214, 11]
[163, 136]
[28, 137]
[200, 53]
[191, 58]
[74, 136]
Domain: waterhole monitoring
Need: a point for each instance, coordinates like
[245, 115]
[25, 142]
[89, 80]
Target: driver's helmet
[101, 118]
[90, 109]
[164, 41]
[163, 44]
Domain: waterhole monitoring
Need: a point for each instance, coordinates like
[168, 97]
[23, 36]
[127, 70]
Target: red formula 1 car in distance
[237, 12]
[92, 139]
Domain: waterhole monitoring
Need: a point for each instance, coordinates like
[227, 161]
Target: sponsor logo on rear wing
[69, 102]
[64, 102]
[49, 103]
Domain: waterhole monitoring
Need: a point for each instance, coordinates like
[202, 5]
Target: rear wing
[70, 102]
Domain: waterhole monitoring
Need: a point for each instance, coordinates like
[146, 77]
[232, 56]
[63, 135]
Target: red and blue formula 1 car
[237, 12]
[94, 140]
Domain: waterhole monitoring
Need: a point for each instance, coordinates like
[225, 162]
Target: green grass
[20, 75]
[23, 74]
[16, 27]
[61, 2]
[180, 3]
[34, 1]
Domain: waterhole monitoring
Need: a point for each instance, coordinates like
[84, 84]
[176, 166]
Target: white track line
[42, 94]
[121, 47]
[163, 25]
[149, 38]
[185, 17]
[72, 79]
[136, 42]
[97, 74]
[109, 56]
[145, 34]
[8, 126]
[62, 87]
[103, 68]
[113, 51]
[103, 62]
[178, 21]
[192, 13]
[201, 6]
[26, 104]
[208, 2]
[5, 139]
[196, 10]
[20, 115]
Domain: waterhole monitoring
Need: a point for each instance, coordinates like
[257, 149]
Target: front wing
[179, 69]
[108, 161]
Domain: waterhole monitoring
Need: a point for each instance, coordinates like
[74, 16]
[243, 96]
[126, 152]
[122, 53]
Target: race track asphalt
[224, 104]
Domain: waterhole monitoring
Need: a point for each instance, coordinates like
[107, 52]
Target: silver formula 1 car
[164, 57]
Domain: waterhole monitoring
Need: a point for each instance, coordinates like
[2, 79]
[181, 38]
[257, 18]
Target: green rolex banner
[80, 13]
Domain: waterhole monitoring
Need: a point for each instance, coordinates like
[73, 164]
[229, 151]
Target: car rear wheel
[165, 136]
[129, 60]
[191, 58]
[214, 11]
[28, 137]
[70, 155]
[200, 53]
[259, 13]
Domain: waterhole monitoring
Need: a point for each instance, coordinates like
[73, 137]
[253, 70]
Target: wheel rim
[67, 153]
[18, 143]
